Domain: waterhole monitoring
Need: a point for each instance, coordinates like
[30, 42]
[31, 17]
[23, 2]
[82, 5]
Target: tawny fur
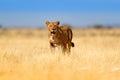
[60, 36]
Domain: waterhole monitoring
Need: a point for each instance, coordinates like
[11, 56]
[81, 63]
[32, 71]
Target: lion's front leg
[52, 47]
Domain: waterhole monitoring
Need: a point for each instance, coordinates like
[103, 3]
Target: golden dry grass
[25, 55]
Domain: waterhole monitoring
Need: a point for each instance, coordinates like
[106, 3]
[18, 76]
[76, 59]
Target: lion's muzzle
[53, 32]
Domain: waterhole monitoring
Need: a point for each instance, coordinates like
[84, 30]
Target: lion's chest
[54, 40]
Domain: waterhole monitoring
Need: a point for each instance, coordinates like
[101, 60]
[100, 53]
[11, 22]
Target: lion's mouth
[53, 32]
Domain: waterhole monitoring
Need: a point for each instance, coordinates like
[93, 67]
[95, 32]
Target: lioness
[60, 36]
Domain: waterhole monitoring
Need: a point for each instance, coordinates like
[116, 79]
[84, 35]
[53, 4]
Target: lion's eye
[50, 25]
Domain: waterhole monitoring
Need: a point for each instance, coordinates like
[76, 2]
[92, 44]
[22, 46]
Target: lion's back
[67, 33]
[64, 28]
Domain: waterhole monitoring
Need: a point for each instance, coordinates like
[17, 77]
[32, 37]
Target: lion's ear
[57, 22]
[47, 23]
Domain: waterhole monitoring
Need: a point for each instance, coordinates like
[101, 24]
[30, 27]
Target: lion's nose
[53, 29]
[52, 32]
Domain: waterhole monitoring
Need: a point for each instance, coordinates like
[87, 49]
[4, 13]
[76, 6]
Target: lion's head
[53, 27]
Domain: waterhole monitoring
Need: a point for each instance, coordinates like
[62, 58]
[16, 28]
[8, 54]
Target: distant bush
[101, 27]
[98, 26]
[0, 26]
[109, 27]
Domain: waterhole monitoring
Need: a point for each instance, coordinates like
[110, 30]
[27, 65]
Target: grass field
[25, 55]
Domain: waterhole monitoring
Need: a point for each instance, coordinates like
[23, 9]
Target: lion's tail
[72, 44]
